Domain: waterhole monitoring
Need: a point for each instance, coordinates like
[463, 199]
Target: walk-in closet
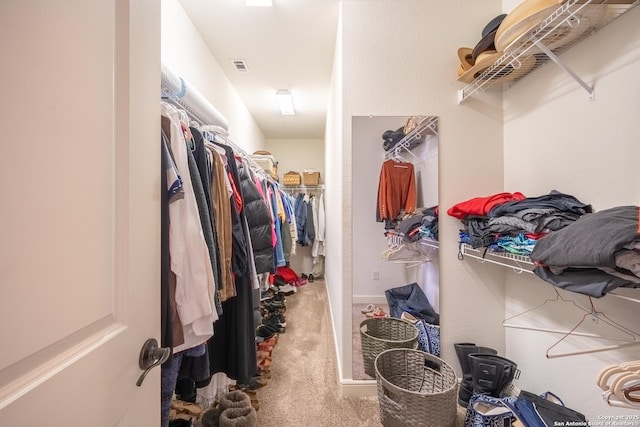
[454, 188]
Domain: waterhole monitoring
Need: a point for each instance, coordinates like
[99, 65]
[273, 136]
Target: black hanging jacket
[259, 221]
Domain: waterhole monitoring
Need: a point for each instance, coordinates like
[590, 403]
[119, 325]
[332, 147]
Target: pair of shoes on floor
[183, 414]
[273, 306]
[373, 310]
[309, 277]
[272, 341]
[234, 409]
[288, 289]
[275, 322]
[275, 319]
[267, 331]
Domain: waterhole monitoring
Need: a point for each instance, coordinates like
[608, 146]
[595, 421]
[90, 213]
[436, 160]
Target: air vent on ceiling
[240, 65]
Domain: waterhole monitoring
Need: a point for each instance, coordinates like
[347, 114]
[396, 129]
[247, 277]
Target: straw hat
[508, 70]
[523, 18]
[561, 34]
[464, 55]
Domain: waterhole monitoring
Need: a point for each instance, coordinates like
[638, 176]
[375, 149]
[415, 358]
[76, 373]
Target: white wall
[185, 53]
[554, 138]
[399, 58]
[334, 264]
[299, 155]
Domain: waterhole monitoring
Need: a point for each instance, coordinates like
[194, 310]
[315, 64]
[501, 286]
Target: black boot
[491, 374]
[463, 350]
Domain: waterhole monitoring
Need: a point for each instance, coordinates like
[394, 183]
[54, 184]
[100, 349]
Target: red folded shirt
[480, 206]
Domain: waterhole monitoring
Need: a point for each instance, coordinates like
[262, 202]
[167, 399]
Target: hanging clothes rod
[180, 93]
[302, 187]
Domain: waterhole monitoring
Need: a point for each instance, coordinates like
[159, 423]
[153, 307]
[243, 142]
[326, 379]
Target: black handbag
[535, 410]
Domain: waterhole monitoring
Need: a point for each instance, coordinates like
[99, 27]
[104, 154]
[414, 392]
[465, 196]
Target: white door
[79, 211]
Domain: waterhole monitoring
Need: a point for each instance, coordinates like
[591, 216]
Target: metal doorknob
[151, 356]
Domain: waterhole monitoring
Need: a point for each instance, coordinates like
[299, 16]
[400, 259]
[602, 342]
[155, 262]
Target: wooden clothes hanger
[630, 337]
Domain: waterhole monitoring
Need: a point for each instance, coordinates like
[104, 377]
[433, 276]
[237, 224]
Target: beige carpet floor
[303, 389]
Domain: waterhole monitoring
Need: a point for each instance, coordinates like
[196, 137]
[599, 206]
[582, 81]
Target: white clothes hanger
[603, 377]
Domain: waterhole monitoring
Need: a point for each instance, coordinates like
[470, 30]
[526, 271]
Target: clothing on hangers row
[621, 384]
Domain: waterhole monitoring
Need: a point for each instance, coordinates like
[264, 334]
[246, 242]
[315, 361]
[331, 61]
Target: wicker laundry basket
[378, 334]
[415, 389]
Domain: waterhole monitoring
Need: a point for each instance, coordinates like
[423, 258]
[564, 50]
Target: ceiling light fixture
[258, 2]
[286, 102]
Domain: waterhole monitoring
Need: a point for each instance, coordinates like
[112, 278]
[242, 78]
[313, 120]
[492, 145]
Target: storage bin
[378, 334]
[311, 178]
[292, 178]
[415, 389]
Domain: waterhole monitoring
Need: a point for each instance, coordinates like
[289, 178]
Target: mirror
[383, 256]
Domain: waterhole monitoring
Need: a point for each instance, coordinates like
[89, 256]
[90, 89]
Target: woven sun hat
[484, 61]
[464, 55]
[508, 70]
[585, 17]
[523, 18]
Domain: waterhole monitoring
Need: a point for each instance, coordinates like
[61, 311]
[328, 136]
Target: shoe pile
[272, 308]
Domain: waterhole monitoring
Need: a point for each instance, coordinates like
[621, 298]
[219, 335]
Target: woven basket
[378, 334]
[292, 178]
[415, 389]
[311, 178]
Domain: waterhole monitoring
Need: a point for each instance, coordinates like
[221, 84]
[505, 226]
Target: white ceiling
[288, 46]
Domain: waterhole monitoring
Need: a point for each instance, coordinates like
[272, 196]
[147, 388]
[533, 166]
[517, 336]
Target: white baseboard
[369, 299]
[358, 388]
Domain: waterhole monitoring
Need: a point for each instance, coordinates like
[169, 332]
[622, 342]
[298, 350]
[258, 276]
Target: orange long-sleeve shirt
[396, 190]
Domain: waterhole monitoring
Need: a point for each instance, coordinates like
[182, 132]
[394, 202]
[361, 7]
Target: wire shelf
[426, 125]
[565, 27]
[519, 263]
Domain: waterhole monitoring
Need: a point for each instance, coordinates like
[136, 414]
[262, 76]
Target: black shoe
[266, 331]
[490, 373]
[273, 305]
[275, 319]
[310, 278]
[254, 384]
[466, 387]
[274, 324]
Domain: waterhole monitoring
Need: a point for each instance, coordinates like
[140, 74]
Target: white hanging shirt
[190, 260]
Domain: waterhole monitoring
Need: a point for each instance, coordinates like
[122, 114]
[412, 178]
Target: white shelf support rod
[566, 69]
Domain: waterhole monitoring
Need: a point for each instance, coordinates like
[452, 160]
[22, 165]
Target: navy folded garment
[411, 298]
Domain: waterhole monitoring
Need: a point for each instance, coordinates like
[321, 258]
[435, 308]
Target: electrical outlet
[376, 275]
